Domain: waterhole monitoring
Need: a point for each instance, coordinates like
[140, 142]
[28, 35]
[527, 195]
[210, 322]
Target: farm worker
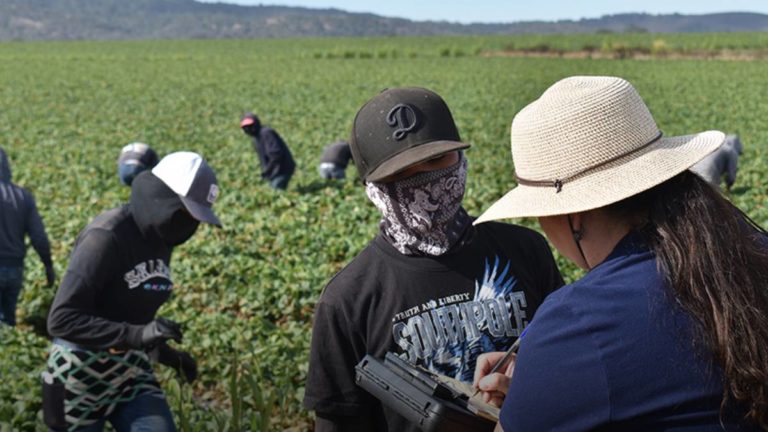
[135, 158]
[430, 286]
[18, 218]
[334, 161]
[722, 162]
[277, 165]
[668, 329]
[103, 318]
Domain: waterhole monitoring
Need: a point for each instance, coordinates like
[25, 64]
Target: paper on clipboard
[474, 403]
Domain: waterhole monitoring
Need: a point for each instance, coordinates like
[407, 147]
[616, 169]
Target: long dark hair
[715, 260]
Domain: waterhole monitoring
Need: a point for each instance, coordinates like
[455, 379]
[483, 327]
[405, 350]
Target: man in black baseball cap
[401, 128]
[430, 286]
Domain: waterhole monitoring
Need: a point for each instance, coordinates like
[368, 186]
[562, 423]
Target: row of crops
[393, 47]
[245, 293]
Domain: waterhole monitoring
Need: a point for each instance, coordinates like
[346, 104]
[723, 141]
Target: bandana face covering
[423, 213]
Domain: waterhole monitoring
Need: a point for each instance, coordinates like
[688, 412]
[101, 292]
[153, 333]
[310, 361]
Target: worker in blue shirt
[19, 218]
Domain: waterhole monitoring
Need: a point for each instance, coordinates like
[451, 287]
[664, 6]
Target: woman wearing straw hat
[669, 328]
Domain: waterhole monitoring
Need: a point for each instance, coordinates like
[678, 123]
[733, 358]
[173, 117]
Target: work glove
[50, 276]
[181, 361]
[159, 330]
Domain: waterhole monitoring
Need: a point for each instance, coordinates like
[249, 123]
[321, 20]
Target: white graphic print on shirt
[147, 270]
[447, 334]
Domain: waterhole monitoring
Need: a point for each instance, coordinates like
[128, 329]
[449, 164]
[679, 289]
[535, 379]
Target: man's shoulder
[24, 199]
[109, 223]
[268, 131]
[355, 277]
[20, 188]
[111, 218]
[526, 248]
[20, 191]
[510, 232]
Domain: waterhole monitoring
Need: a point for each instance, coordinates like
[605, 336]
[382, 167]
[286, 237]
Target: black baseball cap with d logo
[399, 128]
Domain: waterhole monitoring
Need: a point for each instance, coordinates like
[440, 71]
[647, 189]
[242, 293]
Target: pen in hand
[503, 360]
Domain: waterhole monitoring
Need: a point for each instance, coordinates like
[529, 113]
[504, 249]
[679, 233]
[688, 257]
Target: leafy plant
[245, 293]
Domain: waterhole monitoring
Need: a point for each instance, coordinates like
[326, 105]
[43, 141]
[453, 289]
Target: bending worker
[104, 318]
[277, 165]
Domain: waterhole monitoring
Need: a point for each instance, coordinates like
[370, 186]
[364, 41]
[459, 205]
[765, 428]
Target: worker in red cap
[277, 165]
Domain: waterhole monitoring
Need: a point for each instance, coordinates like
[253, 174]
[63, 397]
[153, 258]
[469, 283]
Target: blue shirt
[613, 351]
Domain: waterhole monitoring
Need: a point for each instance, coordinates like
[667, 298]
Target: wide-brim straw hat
[588, 142]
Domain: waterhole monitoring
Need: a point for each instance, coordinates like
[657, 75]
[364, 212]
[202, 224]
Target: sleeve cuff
[133, 336]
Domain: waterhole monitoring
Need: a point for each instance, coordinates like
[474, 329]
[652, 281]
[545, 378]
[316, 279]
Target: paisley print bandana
[423, 213]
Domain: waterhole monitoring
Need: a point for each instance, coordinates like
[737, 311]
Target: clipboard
[430, 401]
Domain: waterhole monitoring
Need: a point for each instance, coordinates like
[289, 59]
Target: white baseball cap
[187, 174]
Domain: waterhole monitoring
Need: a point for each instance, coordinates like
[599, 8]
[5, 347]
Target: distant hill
[185, 19]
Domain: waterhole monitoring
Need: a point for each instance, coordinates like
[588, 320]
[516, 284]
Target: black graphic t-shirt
[118, 276]
[438, 312]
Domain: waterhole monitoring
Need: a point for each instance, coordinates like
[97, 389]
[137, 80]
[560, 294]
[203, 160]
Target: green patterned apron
[96, 381]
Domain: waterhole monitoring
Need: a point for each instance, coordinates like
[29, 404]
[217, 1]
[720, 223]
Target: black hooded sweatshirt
[274, 155]
[119, 271]
[19, 217]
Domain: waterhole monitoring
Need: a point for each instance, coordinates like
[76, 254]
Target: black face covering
[252, 130]
[178, 229]
[158, 210]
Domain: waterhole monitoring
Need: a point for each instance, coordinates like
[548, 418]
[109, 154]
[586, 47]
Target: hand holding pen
[493, 373]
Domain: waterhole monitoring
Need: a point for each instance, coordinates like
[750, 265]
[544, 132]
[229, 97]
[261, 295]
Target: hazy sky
[517, 10]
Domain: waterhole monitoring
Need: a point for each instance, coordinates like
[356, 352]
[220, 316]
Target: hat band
[558, 183]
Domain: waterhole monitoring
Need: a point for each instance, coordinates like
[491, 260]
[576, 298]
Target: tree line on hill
[189, 19]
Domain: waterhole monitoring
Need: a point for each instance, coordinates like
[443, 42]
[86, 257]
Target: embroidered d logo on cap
[588, 142]
[399, 128]
[403, 118]
[187, 174]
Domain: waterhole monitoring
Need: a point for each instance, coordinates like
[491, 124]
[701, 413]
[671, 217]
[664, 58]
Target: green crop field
[245, 293]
